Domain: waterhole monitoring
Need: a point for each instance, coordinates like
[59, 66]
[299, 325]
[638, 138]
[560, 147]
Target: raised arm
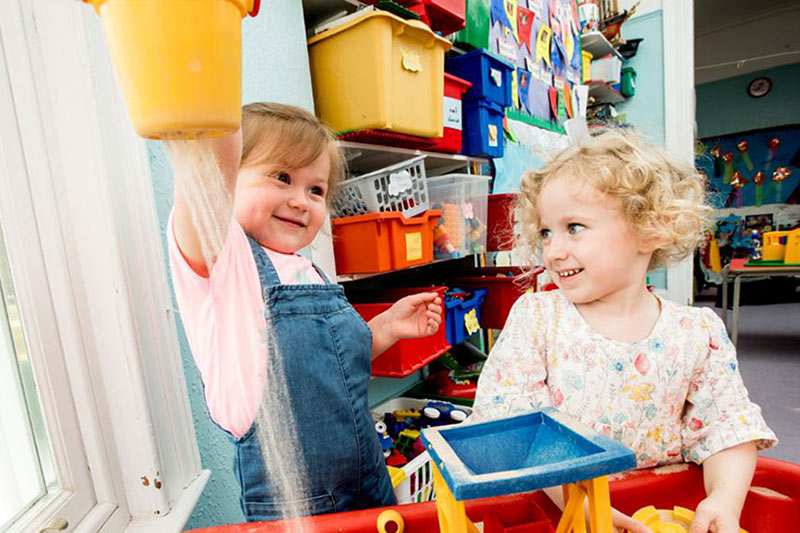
[205, 177]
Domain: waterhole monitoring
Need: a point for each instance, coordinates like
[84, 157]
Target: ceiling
[729, 31]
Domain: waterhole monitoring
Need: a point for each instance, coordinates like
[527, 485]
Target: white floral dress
[675, 396]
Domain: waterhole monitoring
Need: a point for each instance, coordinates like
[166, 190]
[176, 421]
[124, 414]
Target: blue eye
[317, 191]
[545, 233]
[575, 228]
[283, 177]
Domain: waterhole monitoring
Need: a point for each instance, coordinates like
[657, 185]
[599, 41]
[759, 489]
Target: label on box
[399, 182]
[452, 113]
[492, 135]
[413, 246]
[496, 76]
[471, 321]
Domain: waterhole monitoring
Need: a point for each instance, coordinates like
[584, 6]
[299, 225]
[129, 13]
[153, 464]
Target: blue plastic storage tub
[490, 76]
[456, 310]
[483, 129]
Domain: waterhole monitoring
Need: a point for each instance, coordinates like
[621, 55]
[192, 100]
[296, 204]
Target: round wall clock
[759, 87]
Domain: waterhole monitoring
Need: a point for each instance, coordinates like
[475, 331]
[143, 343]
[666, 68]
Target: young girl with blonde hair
[269, 332]
[658, 376]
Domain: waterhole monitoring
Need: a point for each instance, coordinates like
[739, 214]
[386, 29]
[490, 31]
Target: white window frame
[85, 225]
[679, 116]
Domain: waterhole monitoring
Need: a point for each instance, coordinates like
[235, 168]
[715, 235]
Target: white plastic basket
[400, 187]
[418, 484]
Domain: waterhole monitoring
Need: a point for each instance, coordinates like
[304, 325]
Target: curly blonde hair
[662, 198]
[290, 137]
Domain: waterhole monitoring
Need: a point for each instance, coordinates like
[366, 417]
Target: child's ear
[652, 243]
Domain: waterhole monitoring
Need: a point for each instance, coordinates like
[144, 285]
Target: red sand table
[772, 505]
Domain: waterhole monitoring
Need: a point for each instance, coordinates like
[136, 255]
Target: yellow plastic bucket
[179, 62]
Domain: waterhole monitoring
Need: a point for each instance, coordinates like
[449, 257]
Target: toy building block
[384, 438]
[402, 414]
[404, 445]
[396, 459]
[523, 453]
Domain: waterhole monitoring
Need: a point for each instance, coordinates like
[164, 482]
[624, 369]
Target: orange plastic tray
[379, 242]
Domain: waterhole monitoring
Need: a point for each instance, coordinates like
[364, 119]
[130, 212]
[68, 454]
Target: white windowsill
[181, 510]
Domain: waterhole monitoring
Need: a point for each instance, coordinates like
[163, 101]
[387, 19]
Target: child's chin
[576, 296]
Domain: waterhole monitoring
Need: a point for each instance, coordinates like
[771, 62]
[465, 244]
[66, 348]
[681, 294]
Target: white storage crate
[401, 187]
[607, 69]
[463, 199]
[418, 483]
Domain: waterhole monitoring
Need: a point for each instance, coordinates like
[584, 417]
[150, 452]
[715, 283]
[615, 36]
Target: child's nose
[555, 250]
[298, 199]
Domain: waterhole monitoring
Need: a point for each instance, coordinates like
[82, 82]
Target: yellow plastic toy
[772, 248]
[677, 520]
[792, 256]
[396, 475]
[390, 521]
[179, 63]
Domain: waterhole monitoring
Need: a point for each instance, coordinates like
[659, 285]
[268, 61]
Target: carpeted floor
[769, 359]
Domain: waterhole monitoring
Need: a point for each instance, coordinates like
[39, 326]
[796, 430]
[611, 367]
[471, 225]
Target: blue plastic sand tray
[503, 448]
[522, 453]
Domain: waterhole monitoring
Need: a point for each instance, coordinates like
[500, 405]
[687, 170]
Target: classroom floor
[769, 359]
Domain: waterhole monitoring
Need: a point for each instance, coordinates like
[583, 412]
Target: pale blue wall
[275, 68]
[724, 106]
[645, 111]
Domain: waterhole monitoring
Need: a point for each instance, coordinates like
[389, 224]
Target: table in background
[737, 269]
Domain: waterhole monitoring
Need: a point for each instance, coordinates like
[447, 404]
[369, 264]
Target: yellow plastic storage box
[379, 71]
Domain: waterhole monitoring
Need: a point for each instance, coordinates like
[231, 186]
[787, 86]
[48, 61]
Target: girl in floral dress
[660, 377]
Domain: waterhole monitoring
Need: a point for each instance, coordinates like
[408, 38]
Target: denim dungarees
[325, 346]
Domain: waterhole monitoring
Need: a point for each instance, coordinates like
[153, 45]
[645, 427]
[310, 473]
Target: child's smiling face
[283, 209]
[589, 248]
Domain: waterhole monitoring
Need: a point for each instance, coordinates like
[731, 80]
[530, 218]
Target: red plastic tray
[444, 16]
[407, 355]
[388, 138]
[503, 290]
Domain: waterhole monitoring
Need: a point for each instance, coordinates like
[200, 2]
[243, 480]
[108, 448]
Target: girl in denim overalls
[281, 183]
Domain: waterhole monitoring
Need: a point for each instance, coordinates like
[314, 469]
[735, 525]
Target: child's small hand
[418, 315]
[715, 515]
[625, 524]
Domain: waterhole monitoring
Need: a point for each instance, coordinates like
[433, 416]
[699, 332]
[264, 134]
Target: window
[92, 396]
[27, 472]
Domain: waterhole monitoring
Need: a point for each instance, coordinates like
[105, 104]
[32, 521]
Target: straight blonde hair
[288, 137]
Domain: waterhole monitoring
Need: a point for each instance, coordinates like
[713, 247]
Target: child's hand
[624, 523]
[714, 514]
[418, 315]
